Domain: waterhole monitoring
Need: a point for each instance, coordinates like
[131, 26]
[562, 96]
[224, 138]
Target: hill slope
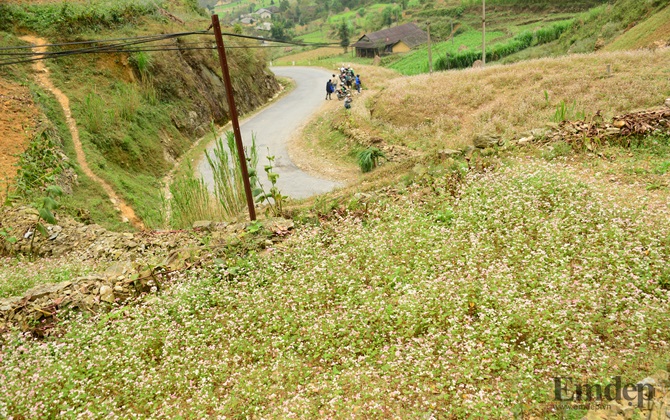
[136, 112]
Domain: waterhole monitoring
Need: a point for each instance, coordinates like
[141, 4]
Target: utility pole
[483, 33]
[233, 115]
[430, 55]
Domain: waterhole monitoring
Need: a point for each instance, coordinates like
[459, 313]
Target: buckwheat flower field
[460, 305]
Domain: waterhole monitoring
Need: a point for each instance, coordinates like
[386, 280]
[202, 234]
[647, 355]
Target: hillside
[136, 112]
[513, 231]
[516, 30]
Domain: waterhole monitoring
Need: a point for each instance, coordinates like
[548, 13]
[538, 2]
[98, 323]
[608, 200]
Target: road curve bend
[276, 124]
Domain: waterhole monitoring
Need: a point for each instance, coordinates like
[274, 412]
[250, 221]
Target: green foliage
[58, 19]
[45, 206]
[274, 198]
[368, 159]
[142, 62]
[344, 33]
[227, 173]
[500, 50]
[6, 236]
[565, 112]
[190, 201]
[42, 162]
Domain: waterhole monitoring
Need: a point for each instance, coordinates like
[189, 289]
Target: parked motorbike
[342, 93]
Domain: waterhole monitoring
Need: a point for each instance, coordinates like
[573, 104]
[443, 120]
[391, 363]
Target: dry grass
[448, 109]
[311, 55]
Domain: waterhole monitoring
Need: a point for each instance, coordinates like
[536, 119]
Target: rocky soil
[652, 407]
[140, 262]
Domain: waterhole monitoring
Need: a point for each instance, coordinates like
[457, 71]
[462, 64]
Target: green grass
[416, 61]
[67, 18]
[19, 275]
[315, 37]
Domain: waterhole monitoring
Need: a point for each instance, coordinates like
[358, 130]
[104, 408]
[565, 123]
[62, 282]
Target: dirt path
[42, 74]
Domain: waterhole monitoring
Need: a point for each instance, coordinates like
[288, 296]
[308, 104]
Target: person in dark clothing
[358, 83]
[347, 101]
[329, 89]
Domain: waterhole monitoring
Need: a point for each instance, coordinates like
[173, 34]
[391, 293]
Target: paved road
[275, 125]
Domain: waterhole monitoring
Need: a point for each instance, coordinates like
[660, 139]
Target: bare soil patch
[18, 119]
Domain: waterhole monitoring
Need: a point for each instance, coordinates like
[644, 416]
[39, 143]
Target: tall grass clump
[93, 113]
[191, 201]
[368, 159]
[227, 172]
[128, 102]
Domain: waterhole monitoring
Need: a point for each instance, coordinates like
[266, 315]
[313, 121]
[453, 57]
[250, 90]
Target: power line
[120, 47]
[100, 41]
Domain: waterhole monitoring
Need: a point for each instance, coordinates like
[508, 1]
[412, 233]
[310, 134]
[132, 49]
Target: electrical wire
[99, 41]
[121, 47]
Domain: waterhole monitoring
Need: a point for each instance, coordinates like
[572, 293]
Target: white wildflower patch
[455, 307]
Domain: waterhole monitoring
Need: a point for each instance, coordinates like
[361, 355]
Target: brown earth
[42, 74]
[18, 119]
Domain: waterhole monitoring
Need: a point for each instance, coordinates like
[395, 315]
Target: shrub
[368, 159]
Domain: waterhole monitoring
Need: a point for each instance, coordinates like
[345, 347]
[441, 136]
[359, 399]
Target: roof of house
[261, 11]
[408, 33]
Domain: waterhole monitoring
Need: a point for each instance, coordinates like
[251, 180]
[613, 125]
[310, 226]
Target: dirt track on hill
[42, 75]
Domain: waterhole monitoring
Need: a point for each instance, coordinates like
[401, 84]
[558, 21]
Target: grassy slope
[448, 109]
[420, 302]
[646, 34]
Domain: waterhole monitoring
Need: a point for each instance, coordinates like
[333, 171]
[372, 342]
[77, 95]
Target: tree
[387, 16]
[343, 32]
[279, 32]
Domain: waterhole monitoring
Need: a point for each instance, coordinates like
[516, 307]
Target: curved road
[275, 125]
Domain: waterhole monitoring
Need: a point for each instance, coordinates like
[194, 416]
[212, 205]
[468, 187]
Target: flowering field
[457, 295]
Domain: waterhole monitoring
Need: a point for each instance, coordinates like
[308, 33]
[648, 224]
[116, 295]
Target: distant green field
[416, 61]
[318, 36]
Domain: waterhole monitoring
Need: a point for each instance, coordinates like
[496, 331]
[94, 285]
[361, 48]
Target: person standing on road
[358, 83]
[329, 89]
[334, 80]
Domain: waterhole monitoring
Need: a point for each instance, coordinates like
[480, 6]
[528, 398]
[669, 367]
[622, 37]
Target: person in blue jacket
[329, 89]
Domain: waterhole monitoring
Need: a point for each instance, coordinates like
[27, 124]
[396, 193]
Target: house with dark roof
[400, 38]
